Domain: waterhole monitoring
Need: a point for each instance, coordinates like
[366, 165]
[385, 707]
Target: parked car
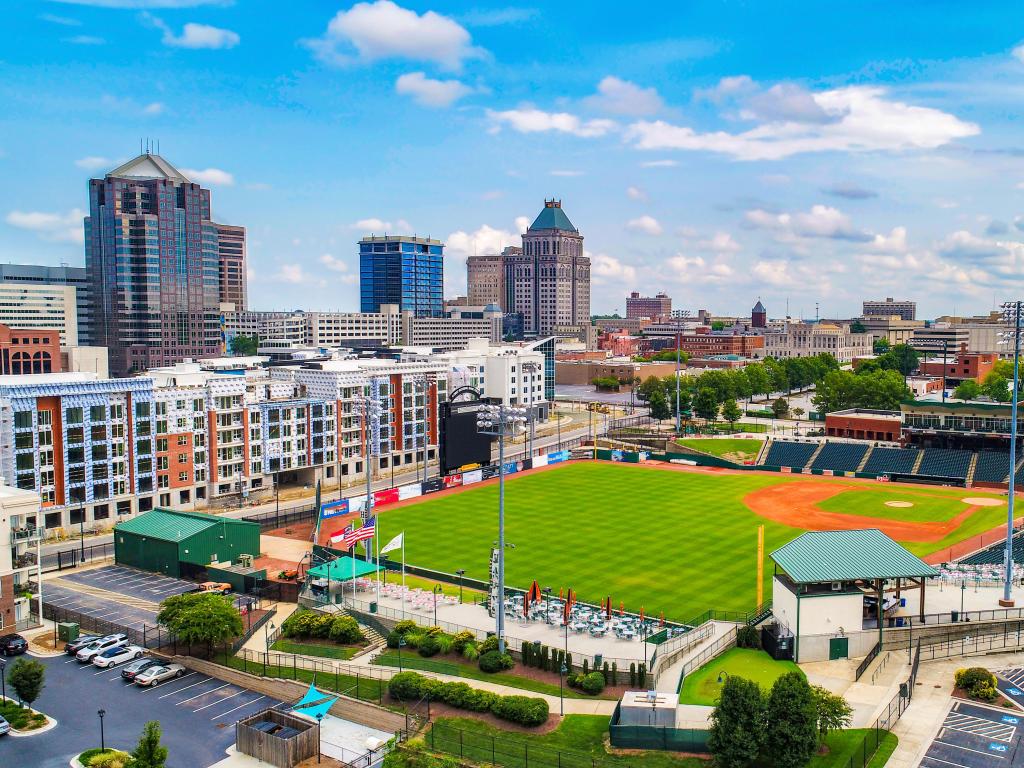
[117, 654]
[12, 645]
[86, 654]
[217, 587]
[4, 726]
[76, 645]
[160, 674]
[129, 673]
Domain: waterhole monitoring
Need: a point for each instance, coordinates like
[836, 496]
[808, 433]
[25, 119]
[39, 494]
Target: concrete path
[668, 681]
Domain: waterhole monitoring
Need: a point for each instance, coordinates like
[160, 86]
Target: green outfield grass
[930, 505]
[737, 449]
[702, 687]
[677, 542]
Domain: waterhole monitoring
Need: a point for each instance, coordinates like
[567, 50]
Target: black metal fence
[278, 519]
[142, 634]
[872, 655]
[505, 751]
[75, 556]
[1002, 635]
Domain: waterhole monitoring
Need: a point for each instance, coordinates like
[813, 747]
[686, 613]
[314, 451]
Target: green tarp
[342, 569]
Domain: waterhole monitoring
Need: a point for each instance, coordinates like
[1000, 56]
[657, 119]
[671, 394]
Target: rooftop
[816, 557]
[553, 217]
[174, 525]
[400, 239]
[149, 166]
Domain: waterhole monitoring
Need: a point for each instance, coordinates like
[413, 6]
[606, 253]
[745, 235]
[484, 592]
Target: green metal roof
[823, 556]
[168, 525]
[552, 217]
[343, 568]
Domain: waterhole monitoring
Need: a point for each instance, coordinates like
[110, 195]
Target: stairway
[819, 449]
[765, 447]
[1016, 469]
[917, 462]
[864, 461]
[970, 470]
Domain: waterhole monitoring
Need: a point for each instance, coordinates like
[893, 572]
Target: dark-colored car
[12, 645]
[133, 669]
[76, 645]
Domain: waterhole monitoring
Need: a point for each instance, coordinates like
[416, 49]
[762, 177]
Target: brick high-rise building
[549, 282]
[902, 308]
[231, 265]
[638, 306]
[485, 278]
[151, 253]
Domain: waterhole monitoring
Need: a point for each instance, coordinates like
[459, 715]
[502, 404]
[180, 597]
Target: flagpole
[376, 562]
[403, 574]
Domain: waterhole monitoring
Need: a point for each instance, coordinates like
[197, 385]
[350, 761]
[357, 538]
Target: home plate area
[974, 736]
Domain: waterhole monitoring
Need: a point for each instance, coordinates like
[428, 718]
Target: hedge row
[523, 710]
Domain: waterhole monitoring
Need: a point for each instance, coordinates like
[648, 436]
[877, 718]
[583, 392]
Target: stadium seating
[945, 462]
[992, 467]
[784, 454]
[993, 555]
[840, 457]
[891, 460]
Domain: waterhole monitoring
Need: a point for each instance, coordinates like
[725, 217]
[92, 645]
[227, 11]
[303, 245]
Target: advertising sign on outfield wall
[491, 470]
[557, 456]
[385, 496]
[409, 491]
[473, 476]
[511, 466]
[452, 481]
[540, 461]
[333, 509]
[433, 485]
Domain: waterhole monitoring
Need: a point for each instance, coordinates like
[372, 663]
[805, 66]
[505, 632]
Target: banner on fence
[433, 485]
[511, 467]
[409, 491]
[334, 509]
[453, 481]
[385, 496]
[491, 470]
[356, 504]
[539, 461]
[473, 476]
[557, 456]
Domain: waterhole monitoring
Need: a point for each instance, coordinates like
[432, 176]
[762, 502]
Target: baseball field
[667, 539]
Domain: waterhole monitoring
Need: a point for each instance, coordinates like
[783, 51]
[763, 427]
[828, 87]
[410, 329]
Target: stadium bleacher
[992, 467]
[840, 457]
[993, 555]
[785, 454]
[891, 460]
[945, 462]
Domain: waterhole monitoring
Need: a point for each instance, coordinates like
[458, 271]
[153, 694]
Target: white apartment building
[41, 307]
[510, 373]
[20, 559]
[807, 339]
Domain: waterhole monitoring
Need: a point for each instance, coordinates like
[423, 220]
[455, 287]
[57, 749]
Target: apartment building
[902, 308]
[653, 307]
[933, 339]
[800, 339]
[705, 344]
[511, 373]
[20, 559]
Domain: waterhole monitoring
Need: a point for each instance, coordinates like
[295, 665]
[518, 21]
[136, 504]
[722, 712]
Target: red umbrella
[622, 607]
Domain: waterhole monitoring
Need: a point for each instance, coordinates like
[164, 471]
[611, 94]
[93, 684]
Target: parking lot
[974, 736]
[64, 596]
[131, 582]
[196, 712]
[1011, 683]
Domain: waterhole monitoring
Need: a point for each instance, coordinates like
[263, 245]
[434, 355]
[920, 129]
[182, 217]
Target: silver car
[4, 726]
[89, 652]
[156, 675]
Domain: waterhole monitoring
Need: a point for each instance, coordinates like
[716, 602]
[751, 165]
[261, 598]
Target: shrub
[593, 683]
[429, 646]
[471, 652]
[972, 676]
[568, 662]
[413, 639]
[748, 637]
[445, 642]
[480, 701]
[406, 686]
[521, 709]
[490, 644]
[345, 629]
[404, 626]
[393, 638]
[574, 680]
[492, 661]
[604, 672]
[984, 691]
[455, 694]
[462, 639]
[615, 673]
[586, 667]
[632, 675]
[112, 758]
[641, 675]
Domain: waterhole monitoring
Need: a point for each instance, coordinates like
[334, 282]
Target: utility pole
[1011, 311]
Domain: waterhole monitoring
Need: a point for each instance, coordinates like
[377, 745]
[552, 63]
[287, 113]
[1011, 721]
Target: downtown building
[799, 339]
[153, 255]
[653, 307]
[403, 271]
[36, 296]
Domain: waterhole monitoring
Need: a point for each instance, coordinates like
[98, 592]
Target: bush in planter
[112, 758]
[471, 652]
[490, 644]
[345, 629]
[406, 686]
[521, 709]
[429, 646]
[972, 676]
[492, 661]
[445, 642]
[748, 637]
[604, 673]
[593, 683]
[413, 639]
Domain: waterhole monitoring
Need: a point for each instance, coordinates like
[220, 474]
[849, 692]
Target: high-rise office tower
[231, 256]
[34, 276]
[407, 271]
[485, 278]
[151, 252]
[549, 282]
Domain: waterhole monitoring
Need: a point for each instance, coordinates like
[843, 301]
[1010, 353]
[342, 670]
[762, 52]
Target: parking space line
[240, 706]
[179, 690]
[220, 701]
[967, 749]
[946, 762]
[184, 701]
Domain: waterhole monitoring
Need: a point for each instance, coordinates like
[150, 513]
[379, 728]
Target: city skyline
[736, 152]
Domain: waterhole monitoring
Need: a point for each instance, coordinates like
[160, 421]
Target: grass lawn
[327, 649]
[929, 506]
[845, 745]
[471, 671]
[738, 449]
[21, 718]
[702, 686]
[365, 688]
[577, 734]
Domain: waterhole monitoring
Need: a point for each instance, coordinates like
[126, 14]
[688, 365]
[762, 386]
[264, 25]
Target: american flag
[361, 534]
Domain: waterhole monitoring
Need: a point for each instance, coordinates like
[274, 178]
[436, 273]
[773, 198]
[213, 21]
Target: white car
[117, 654]
[85, 655]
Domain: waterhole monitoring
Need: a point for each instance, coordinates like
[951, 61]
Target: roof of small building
[174, 525]
[823, 556]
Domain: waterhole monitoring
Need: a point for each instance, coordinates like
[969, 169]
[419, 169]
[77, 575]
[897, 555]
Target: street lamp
[498, 420]
[81, 529]
[436, 590]
[1011, 312]
[561, 698]
[722, 677]
[963, 589]
[460, 573]
[319, 720]
[371, 438]
[682, 313]
[266, 630]
[103, 743]
[3, 684]
[401, 644]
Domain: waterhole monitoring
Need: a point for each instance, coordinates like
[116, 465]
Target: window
[101, 512]
[182, 458]
[23, 440]
[161, 445]
[144, 447]
[52, 520]
[182, 439]
[23, 419]
[99, 453]
[74, 415]
[98, 433]
[99, 472]
[142, 410]
[97, 413]
[25, 461]
[183, 477]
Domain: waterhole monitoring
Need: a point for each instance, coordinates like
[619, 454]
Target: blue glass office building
[407, 271]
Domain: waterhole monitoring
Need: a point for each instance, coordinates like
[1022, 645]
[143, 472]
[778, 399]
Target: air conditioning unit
[245, 561]
[837, 586]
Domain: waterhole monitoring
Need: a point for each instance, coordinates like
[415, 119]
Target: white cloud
[337, 265]
[894, 242]
[645, 224]
[483, 241]
[384, 30]
[607, 269]
[492, 194]
[522, 224]
[94, 163]
[1018, 53]
[530, 120]
[696, 270]
[622, 97]
[726, 88]
[198, 36]
[428, 92]
[822, 221]
[659, 164]
[85, 40]
[154, 108]
[292, 274]
[566, 173]
[859, 119]
[720, 242]
[635, 193]
[214, 176]
[375, 225]
[64, 21]
[52, 227]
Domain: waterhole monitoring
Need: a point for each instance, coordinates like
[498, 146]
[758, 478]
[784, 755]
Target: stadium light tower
[499, 420]
[531, 368]
[371, 412]
[681, 315]
[1011, 313]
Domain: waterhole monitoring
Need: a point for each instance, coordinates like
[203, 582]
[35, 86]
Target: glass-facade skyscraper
[407, 271]
[151, 253]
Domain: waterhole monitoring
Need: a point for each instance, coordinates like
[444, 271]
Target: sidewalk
[668, 681]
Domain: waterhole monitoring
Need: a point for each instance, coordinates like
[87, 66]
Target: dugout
[833, 590]
[172, 542]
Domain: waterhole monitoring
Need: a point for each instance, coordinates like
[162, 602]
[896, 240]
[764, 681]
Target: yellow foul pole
[760, 566]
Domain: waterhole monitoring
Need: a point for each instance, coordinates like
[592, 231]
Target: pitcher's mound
[982, 502]
[899, 504]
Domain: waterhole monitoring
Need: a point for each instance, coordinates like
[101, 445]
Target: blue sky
[721, 151]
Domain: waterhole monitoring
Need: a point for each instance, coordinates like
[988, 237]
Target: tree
[658, 404]
[737, 724]
[648, 387]
[731, 412]
[832, 710]
[244, 345]
[882, 390]
[200, 618]
[902, 358]
[880, 346]
[705, 404]
[760, 384]
[26, 677]
[792, 739]
[780, 408]
[968, 389]
[857, 327]
[798, 413]
[717, 325]
[149, 753]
